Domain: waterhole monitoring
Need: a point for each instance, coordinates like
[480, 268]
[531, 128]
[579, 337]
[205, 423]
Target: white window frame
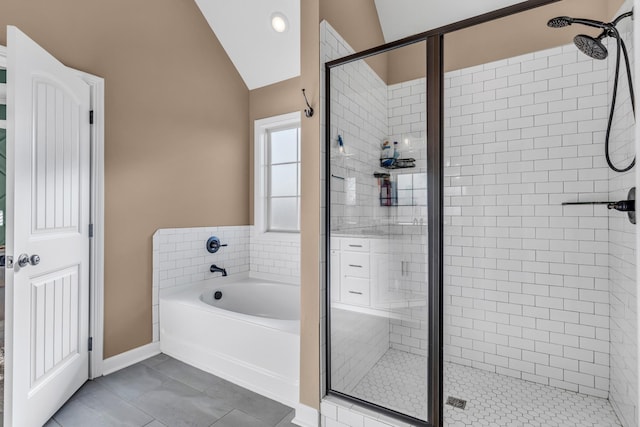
[261, 170]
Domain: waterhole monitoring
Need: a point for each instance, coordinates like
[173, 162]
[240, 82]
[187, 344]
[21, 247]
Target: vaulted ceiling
[402, 18]
[263, 56]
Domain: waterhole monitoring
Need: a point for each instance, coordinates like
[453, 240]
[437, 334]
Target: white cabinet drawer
[354, 291]
[355, 264]
[354, 244]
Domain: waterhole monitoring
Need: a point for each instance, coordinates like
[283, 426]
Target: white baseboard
[129, 358]
[306, 416]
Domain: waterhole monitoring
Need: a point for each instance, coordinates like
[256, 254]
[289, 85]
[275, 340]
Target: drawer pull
[355, 265]
[355, 246]
[354, 292]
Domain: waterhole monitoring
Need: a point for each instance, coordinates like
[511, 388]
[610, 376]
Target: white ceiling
[260, 55]
[263, 57]
[402, 18]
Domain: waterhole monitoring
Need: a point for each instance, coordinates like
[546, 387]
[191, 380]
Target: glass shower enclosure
[377, 229]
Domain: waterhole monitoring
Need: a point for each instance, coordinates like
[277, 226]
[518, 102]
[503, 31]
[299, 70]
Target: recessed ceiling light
[279, 22]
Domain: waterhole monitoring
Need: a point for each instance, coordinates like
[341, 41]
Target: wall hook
[307, 112]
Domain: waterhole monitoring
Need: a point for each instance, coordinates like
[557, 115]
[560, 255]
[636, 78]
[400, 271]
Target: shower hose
[620, 47]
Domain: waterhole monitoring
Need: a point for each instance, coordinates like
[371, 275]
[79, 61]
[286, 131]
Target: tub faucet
[215, 269]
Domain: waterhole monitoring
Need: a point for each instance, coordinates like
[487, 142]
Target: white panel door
[47, 216]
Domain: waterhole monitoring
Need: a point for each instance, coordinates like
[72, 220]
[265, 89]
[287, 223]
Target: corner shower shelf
[399, 163]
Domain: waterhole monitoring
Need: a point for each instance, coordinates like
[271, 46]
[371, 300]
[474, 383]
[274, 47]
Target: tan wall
[279, 98]
[177, 139]
[407, 63]
[504, 38]
[310, 212]
[358, 23]
[522, 33]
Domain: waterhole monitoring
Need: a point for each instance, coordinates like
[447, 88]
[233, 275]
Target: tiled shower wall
[526, 279]
[407, 115]
[359, 116]
[180, 258]
[407, 124]
[623, 391]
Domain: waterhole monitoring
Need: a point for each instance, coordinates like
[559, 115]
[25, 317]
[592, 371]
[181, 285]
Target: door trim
[96, 246]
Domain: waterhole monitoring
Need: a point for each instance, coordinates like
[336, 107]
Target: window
[283, 188]
[277, 174]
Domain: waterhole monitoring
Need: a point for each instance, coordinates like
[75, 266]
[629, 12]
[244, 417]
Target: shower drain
[456, 403]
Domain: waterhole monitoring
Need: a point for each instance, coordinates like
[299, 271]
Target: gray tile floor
[162, 391]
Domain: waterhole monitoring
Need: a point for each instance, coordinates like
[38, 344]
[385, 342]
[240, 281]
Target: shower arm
[621, 17]
[592, 23]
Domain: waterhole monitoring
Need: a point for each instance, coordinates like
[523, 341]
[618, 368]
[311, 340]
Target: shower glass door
[377, 230]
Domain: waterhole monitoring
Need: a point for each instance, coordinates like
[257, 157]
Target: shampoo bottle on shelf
[385, 192]
[386, 154]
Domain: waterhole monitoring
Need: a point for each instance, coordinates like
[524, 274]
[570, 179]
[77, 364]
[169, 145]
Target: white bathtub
[259, 351]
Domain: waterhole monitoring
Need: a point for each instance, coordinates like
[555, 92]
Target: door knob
[25, 259]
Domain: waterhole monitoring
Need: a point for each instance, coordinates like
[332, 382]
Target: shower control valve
[623, 205]
[213, 244]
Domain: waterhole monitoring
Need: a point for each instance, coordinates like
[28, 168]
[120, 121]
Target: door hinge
[91, 117]
[90, 343]
[90, 230]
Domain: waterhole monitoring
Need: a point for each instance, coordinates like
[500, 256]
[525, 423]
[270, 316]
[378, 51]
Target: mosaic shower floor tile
[398, 381]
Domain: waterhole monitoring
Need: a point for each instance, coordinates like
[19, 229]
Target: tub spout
[215, 269]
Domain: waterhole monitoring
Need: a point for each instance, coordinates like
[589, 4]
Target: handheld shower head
[565, 21]
[592, 47]
[559, 22]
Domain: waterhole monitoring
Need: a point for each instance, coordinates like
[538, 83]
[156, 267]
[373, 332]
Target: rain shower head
[590, 46]
[595, 49]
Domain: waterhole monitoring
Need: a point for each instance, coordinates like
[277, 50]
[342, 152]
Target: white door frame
[96, 256]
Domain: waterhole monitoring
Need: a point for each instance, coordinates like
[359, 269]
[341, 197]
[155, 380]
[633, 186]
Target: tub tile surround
[274, 257]
[180, 258]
